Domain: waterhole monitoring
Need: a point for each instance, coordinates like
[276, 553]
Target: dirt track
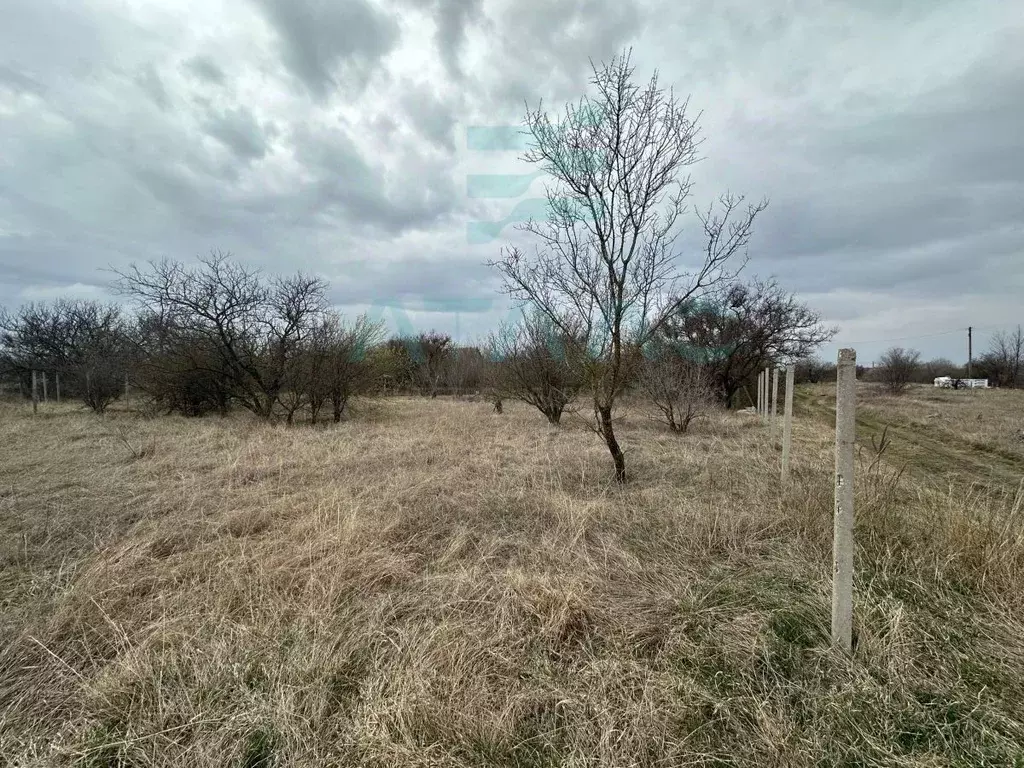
[929, 453]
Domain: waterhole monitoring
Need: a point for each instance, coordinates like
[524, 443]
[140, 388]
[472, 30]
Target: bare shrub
[433, 353]
[897, 369]
[251, 326]
[533, 363]
[680, 389]
[743, 329]
[86, 343]
[338, 364]
[138, 447]
[1003, 364]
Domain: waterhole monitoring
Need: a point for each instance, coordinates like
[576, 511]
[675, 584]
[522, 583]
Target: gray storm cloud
[331, 137]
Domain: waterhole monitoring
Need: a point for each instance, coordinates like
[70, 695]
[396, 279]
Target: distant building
[948, 382]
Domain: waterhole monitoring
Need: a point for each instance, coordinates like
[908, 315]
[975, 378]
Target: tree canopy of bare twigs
[533, 363]
[251, 327]
[606, 256]
[86, 343]
[897, 368]
[743, 329]
[337, 365]
[813, 370]
[678, 386]
[1004, 361]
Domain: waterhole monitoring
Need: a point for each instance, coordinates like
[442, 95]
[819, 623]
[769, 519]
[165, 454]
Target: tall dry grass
[433, 584]
[989, 420]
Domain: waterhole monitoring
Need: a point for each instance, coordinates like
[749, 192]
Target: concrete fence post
[764, 399]
[787, 423]
[46, 396]
[35, 393]
[56, 381]
[127, 392]
[842, 540]
[760, 395]
[775, 402]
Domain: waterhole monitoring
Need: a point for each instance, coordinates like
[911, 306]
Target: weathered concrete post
[46, 397]
[764, 398]
[787, 423]
[56, 381]
[842, 539]
[35, 393]
[127, 392]
[767, 391]
[760, 394]
[775, 402]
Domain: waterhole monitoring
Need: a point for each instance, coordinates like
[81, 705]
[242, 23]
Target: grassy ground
[972, 437]
[433, 584]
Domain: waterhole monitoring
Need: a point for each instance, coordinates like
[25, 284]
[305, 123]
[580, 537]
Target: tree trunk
[267, 408]
[608, 433]
[730, 395]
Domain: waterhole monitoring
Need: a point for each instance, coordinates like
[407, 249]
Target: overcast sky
[330, 136]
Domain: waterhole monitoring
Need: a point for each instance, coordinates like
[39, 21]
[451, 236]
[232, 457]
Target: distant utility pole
[970, 352]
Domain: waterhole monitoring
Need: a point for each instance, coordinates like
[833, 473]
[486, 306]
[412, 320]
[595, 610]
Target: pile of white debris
[948, 382]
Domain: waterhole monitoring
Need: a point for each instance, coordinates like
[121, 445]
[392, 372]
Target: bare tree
[342, 367]
[85, 342]
[1004, 358]
[679, 388]
[398, 364]
[940, 366]
[897, 368]
[534, 364]
[813, 369]
[432, 353]
[606, 259]
[743, 329]
[253, 327]
[466, 370]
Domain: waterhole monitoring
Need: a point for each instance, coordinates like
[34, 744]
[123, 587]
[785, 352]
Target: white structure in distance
[948, 382]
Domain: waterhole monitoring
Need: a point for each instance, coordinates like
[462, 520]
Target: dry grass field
[433, 584]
